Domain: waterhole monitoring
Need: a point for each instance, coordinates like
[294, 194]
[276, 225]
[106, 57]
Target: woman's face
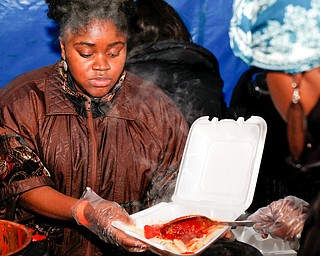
[95, 56]
[280, 87]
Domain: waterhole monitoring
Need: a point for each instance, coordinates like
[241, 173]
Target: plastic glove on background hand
[97, 215]
[282, 219]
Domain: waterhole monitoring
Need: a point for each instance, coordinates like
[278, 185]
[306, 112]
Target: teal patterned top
[278, 35]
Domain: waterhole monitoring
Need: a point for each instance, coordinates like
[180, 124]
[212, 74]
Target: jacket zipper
[93, 182]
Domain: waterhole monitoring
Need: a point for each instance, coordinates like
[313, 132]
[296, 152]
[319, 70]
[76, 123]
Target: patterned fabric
[279, 35]
[20, 170]
[17, 163]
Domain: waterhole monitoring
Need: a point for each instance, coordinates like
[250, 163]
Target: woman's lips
[100, 82]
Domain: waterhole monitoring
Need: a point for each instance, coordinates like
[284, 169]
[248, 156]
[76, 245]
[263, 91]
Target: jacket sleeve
[20, 170]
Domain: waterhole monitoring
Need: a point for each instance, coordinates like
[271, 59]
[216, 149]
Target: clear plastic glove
[97, 215]
[282, 219]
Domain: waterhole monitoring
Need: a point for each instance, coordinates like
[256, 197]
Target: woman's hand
[97, 215]
[282, 219]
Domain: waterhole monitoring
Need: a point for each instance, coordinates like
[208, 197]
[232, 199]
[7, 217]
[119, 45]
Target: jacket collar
[56, 101]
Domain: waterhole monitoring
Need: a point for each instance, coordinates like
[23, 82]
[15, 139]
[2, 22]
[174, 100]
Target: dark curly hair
[156, 20]
[77, 14]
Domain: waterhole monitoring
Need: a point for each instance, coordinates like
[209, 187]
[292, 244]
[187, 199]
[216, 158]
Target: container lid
[220, 163]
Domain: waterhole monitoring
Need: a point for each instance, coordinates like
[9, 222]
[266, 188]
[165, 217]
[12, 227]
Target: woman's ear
[63, 52]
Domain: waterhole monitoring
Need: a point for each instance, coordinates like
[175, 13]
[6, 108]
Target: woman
[85, 124]
[161, 51]
[283, 38]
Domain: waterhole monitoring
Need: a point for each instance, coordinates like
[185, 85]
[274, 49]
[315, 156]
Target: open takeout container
[217, 176]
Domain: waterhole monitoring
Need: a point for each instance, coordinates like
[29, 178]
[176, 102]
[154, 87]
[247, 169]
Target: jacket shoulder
[34, 78]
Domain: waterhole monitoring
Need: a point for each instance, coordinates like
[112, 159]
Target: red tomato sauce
[183, 228]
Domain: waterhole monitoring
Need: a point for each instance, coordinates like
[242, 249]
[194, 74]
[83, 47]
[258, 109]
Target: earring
[65, 65]
[296, 124]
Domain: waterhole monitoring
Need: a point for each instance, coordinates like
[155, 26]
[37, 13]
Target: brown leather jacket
[127, 150]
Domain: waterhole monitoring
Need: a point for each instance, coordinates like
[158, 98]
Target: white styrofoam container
[217, 176]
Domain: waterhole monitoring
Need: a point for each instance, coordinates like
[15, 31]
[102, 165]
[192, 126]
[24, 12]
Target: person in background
[283, 39]
[277, 176]
[161, 51]
[84, 141]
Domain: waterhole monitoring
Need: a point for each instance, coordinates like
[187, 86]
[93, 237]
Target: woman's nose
[101, 63]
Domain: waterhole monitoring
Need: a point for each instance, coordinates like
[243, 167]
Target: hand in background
[283, 219]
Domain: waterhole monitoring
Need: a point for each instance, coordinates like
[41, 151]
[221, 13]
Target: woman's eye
[113, 55]
[85, 55]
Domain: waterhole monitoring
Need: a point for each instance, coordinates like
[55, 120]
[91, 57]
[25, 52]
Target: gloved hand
[282, 219]
[97, 215]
